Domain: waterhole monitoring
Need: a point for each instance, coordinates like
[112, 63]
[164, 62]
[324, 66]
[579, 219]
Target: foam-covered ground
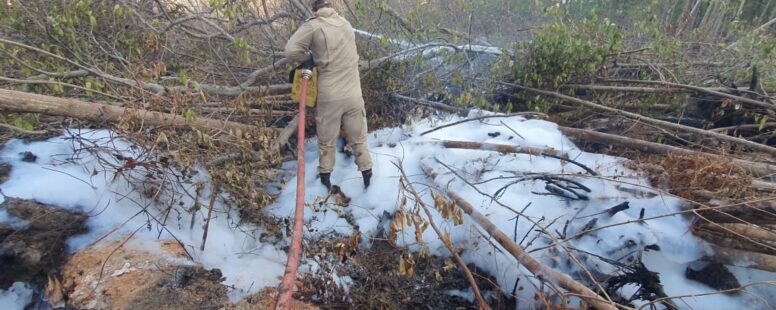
[66, 176]
[491, 171]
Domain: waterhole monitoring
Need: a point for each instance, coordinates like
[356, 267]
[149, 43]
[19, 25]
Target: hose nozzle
[307, 74]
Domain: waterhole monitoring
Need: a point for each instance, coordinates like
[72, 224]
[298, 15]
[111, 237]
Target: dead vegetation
[206, 84]
[387, 276]
[698, 177]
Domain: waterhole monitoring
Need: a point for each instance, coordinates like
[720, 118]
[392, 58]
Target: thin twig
[213, 196]
[22, 130]
[534, 114]
[448, 243]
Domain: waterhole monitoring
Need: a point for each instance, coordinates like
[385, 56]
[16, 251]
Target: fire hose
[289, 278]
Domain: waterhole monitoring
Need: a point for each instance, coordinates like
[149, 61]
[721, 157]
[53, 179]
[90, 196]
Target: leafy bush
[565, 52]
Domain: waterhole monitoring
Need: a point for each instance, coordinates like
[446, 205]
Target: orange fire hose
[289, 278]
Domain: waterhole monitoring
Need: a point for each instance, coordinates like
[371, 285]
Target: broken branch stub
[506, 148]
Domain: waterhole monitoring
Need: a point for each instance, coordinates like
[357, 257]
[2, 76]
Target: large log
[727, 239]
[755, 168]
[747, 259]
[501, 148]
[747, 230]
[505, 148]
[15, 101]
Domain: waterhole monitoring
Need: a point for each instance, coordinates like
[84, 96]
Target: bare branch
[734, 140]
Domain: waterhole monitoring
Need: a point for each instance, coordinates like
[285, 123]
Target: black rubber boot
[367, 174]
[326, 180]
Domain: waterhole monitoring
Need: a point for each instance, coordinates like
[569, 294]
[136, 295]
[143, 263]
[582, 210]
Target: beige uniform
[330, 39]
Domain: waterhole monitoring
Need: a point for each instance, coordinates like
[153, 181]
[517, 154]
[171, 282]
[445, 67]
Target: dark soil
[377, 283]
[37, 250]
[713, 274]
[5, 172]
[187, 287]
[29, 157]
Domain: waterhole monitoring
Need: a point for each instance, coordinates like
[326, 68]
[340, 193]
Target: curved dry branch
[704, 90]
[439, 47]
[656, 122]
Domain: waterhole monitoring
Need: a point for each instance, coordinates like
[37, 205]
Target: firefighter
[329, 39]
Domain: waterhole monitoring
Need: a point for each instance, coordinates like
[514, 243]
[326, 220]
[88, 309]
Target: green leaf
[183, 79]
[22, 123]
[763, 120]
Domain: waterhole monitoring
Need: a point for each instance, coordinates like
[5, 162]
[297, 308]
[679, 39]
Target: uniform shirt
[330, 39]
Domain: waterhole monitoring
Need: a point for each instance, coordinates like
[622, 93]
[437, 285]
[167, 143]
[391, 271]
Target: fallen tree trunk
[501, 148]
[535, 267]
[285, 134]
[759, 212]
[496, 51]
[505, 148]
[747, 259]
[14, 101]
[728, 240]
[745, 126]
[748, 230]
[756, 168]
[764, 186]
[656, 122]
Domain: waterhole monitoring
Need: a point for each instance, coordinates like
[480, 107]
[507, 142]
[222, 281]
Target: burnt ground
[378, 284]
[33, 249]
[33, 252]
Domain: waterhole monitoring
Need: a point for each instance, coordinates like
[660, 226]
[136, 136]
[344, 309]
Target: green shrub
[565, 52]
